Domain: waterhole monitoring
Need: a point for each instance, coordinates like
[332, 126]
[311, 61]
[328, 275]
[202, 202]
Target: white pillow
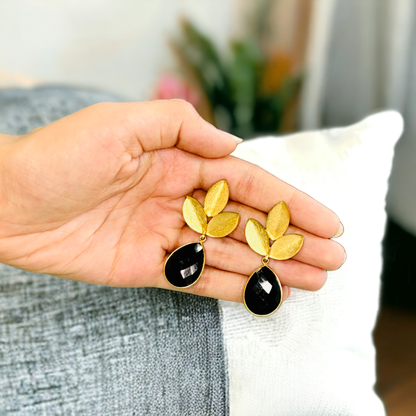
[315, 356]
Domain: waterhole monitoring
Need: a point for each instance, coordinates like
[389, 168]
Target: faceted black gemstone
[185, 265]
[263, 292]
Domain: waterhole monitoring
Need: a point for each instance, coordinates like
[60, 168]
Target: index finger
[253, 186]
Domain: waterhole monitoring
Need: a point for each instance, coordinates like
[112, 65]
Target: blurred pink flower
[171, 87]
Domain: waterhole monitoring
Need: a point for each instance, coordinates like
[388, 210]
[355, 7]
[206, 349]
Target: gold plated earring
[185, 265]
[263, 291]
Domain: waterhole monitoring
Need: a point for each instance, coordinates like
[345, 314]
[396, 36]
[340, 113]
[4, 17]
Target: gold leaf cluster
[196, 215]
[284, 246]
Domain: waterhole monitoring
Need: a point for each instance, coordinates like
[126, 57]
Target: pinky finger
[218, 284]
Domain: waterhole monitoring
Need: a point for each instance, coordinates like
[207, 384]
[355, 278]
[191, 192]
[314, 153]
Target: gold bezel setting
[280, 289]
[182, 248]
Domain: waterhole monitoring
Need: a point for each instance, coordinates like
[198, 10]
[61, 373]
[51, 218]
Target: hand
[97, 197]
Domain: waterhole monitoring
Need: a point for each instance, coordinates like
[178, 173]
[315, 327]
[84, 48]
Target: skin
[97, 197]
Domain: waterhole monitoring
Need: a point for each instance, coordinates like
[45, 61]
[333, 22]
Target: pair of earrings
[263, 291]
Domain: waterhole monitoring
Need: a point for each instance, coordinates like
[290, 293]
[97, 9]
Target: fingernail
[235, 138]
[340, 231]
[345, 257]
[225, 133]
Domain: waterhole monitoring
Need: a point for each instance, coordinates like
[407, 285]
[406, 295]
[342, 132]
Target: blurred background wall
[116, 46]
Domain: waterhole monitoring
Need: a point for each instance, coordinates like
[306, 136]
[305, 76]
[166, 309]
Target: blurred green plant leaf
[233, 86]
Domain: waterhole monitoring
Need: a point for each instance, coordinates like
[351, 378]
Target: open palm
[97, 197]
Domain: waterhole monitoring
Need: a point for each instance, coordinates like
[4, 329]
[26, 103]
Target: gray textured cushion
[68, 348]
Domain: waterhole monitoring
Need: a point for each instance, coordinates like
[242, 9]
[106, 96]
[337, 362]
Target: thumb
[169, 123]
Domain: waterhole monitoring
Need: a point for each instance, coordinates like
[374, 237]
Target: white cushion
[315, 356]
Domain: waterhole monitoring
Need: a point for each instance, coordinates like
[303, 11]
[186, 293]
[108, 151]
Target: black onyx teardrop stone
[263, 292]
[185, 265]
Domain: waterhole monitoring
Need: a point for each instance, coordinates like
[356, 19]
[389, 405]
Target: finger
[6, 139]
[168, 123]
[316, 251]
[218, 284]
[252, 186]
[233, 256]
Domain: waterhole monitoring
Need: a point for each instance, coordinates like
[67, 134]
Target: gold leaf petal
[277, 221]
[194, 215]
[223, 224]
[257, 237]
[216, 198]
[286, 247]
